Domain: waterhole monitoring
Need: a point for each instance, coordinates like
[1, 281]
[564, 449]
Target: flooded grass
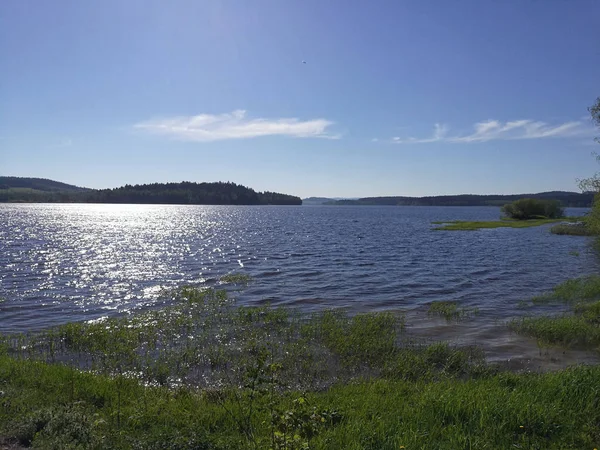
[565, 330]
[450, 310]
[52, 406]
[579, 329]
[571, 230]
[236, 278]
[205, 373]
[572, 291]
[461, 225]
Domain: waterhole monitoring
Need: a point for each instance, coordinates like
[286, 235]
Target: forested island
[38, 190]
[567, 199]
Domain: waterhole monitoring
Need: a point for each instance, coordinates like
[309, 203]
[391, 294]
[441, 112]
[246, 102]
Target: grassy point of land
[462, 225]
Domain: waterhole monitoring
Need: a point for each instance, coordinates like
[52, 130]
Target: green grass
[579, 329]
[573, 291]
[571, 230]
[461, 225]
[450, 310]
[55, 407]
[205, 373]
[565, 330]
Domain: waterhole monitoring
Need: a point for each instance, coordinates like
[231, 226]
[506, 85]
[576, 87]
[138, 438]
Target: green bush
[531, 208]
[592, 220]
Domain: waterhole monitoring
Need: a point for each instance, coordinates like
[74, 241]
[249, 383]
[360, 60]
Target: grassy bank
[462, 225]
[204, 373]
[55, 407]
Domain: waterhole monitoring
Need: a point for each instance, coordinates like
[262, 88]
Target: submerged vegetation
[579, 329]
[450, 310]
[204, 373]
[207, 374]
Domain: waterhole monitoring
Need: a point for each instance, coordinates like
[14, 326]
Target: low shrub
[532, 208]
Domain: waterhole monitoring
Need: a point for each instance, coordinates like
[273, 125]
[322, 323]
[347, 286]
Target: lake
[69, 262]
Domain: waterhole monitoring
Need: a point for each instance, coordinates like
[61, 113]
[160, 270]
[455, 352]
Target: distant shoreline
[567, 199]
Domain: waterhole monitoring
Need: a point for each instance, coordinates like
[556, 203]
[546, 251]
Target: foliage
[531, 208]
[592, 220]
[591, 185]
[156, 193]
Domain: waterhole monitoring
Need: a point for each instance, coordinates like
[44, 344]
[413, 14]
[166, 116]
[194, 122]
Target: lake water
[61, 263]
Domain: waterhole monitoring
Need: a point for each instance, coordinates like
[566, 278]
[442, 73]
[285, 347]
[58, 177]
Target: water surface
[60, 263]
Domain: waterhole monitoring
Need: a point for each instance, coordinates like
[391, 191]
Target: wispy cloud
[491, 130]
[235, 125]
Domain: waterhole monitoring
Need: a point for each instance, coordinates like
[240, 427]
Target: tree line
[566, 199]
[184, 193]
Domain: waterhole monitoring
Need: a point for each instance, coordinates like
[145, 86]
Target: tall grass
[450, 310]
[205, 373]
[579, 329]
[544, 411]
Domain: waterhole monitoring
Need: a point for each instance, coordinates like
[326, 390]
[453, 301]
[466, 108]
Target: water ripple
[60, 263]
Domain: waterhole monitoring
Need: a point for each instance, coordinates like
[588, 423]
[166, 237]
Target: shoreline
[273, 378]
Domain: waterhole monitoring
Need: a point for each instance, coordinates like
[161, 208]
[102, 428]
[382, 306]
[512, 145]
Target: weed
[578, 229]
[236, 278]
[581, 329]
[450, 310]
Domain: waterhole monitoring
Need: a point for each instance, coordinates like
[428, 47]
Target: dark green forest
[567, 199]
[37, 190]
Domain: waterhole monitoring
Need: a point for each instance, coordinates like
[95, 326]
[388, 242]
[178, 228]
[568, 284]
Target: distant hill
[567, 199]
[322, 200]
[34, 190]
[38, 184]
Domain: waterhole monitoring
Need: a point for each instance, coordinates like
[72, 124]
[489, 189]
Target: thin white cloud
[235, 125]
[491, 130]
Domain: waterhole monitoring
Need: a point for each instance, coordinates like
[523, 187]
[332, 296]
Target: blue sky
[312, 97]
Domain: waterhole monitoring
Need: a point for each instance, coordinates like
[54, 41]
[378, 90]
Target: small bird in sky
[303, 62]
